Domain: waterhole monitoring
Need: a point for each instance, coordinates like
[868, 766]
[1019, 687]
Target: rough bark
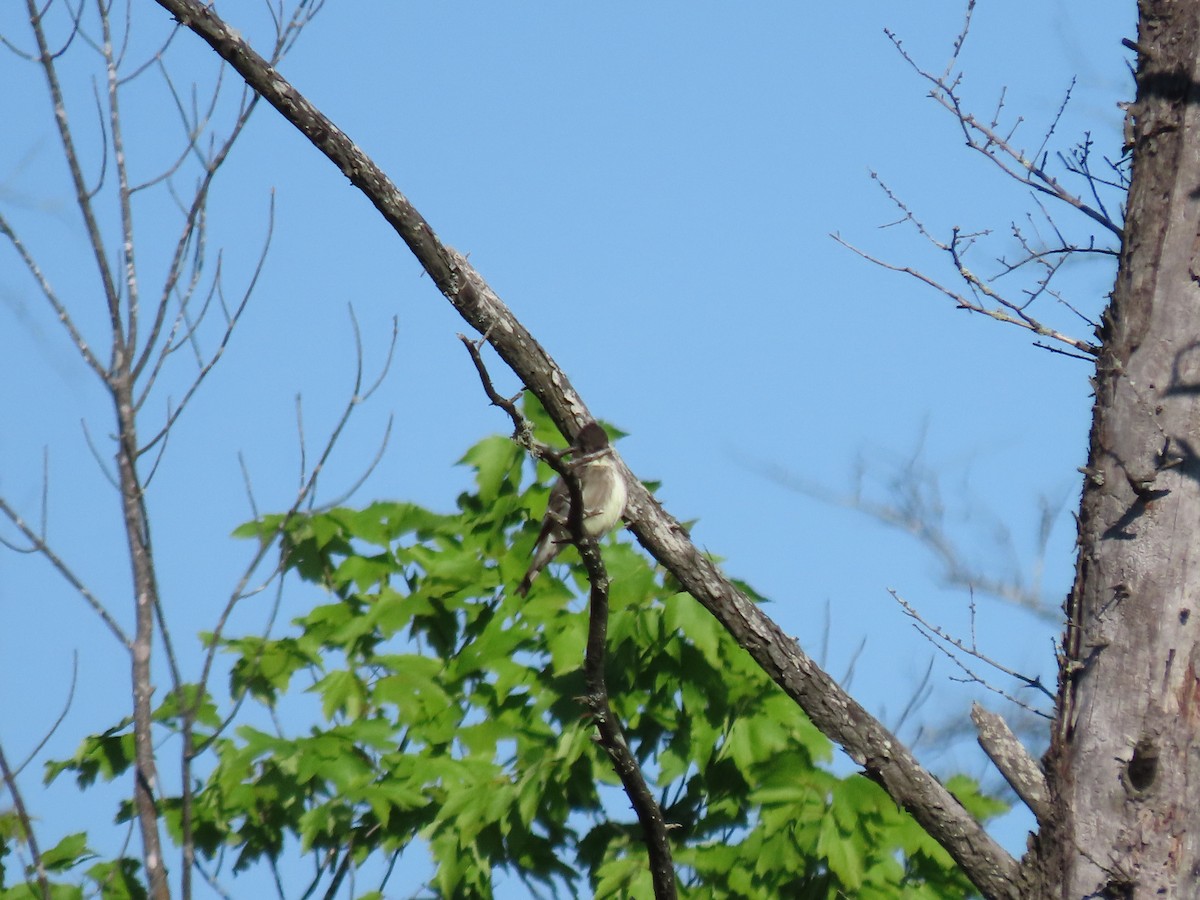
[1127, 822]
[1009, 755]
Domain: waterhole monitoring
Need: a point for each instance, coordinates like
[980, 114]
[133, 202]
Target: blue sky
[679, 167]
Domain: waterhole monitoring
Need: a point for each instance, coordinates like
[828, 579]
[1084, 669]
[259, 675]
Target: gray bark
[1127, 820]
[1009, 755]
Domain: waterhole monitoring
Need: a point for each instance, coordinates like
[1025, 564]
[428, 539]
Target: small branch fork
[979, 292]
[985, 137]
[942, 640]
[610, 734]
[1045, 254]
[1002, 747]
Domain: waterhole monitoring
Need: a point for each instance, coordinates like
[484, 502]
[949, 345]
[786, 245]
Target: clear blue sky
[678, 167]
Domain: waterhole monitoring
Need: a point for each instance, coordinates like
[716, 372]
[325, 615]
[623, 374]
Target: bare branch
[40, 545]
[1019, 769]
[913, 506]
[60, 311]
[985, 139]
[210, 878]
[61, 716]
[193, 220]
[101, 462]
[192, 129]
[132, 290]
[151, 60]
[76, 29]
[82, 196]
[102, 126]
[940, 639]
[230, 323]
[981, 292]
[248, 485]
[997, 143]
[1080, 164]
[920, 694]
[387, 432]
[960, 40]
[10, 782]
[962, 302]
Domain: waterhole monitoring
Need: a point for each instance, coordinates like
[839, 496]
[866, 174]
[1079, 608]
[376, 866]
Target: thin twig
[10, 782]
[1086, 350]
[610, 734]
[985, 139]
[60, 311]
[174, 414]
[65, 571]
[61, 716]
[940, 639]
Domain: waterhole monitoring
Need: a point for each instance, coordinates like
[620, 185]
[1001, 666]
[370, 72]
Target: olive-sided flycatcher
[603, 492]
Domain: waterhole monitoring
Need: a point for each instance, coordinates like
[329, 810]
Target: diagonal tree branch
[38, 543]
[831, 709]
[10, 782]
[1019, 769]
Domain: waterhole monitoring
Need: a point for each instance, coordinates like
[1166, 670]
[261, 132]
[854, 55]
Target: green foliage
[115, 880]
[444, 712]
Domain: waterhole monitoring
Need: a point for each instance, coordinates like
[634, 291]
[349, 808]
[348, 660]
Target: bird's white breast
[603, 506]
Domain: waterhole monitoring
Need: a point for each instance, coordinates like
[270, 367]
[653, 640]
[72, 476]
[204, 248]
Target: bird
[602, 489]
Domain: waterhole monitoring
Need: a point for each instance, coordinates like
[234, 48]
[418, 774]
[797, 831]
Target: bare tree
[164, 336]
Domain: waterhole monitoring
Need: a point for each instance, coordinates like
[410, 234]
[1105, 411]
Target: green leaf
[341, 692]
[67, 853]
[842, 852]
[104, 755]
[977, 803]
[619, 877]
[117, 880]
[496, 461]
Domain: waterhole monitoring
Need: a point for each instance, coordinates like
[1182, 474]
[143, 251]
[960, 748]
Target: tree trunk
[1126, 819]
